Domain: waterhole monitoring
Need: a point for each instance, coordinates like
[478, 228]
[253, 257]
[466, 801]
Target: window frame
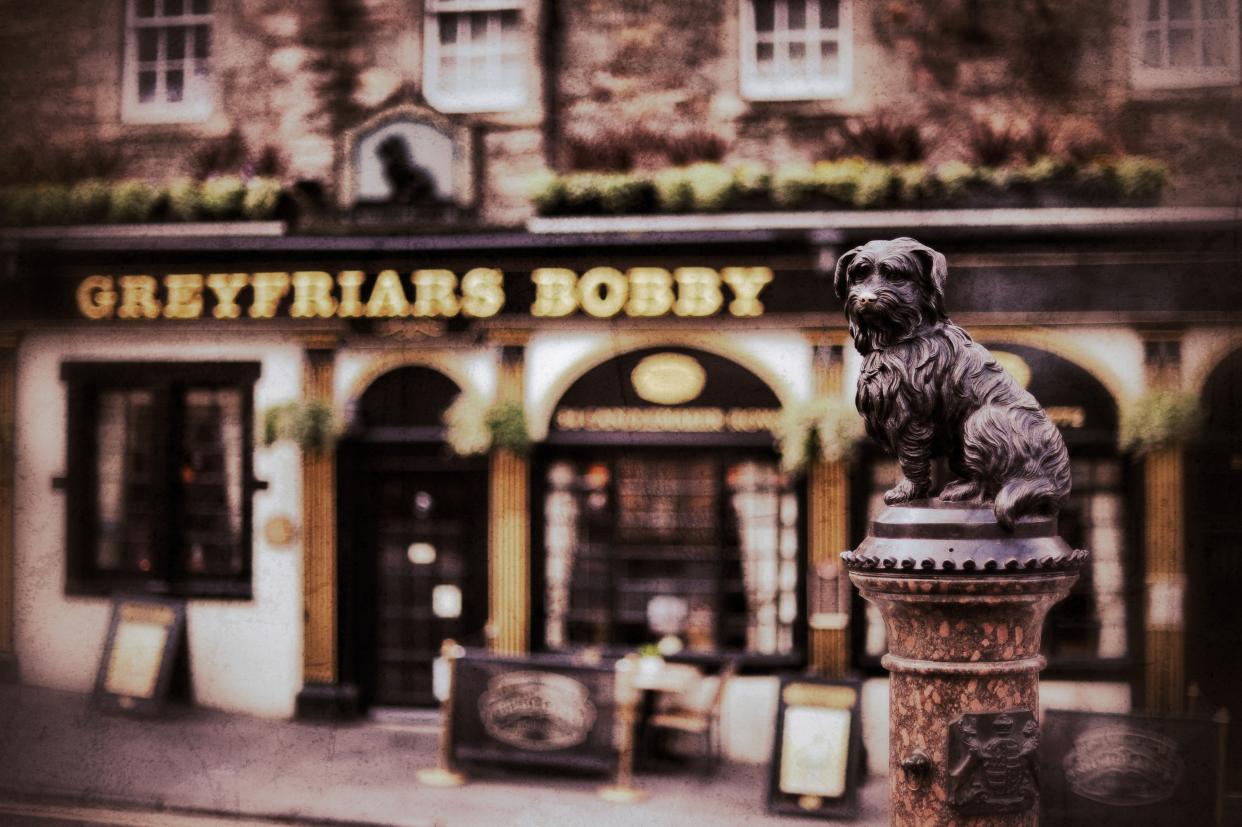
[753, 87]
[189, 109]
[1168, 77]
[85, 382]
[474, 101]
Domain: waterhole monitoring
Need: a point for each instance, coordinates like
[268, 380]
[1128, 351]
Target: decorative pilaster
[1164, 547]
[8, 441]
[828, 497]
[508, 552]
[321, 695]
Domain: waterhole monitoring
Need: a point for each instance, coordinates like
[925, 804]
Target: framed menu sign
[136, 670]
[817, 754]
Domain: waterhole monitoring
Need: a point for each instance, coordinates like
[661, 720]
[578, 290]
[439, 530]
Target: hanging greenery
[823, 427]
[312, 424]
[473, 426]
[507, 422]
[1159, 419]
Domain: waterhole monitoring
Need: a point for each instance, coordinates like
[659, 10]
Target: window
[474, 55]
[644, 544]
[159, 477]
[167, 61]
[795, 49]
[1183, 43]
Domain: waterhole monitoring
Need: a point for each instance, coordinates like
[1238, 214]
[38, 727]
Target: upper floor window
[474, 55]
[167, 60]
[795, 49]
[1183, 43]
[159, 479]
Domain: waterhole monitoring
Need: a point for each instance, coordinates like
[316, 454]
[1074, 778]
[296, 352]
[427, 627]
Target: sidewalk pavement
[54, 747]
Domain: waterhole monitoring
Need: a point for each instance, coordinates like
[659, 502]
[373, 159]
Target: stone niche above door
[408, 160]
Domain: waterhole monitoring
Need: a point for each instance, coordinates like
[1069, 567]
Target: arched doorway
[412, 538]
[1214, 556]
[1093, 634]
[660, 511]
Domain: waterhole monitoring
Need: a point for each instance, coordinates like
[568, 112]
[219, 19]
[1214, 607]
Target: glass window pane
[797, 57]
[210, 471]
[797, 14]
[1153, 10]
[1182, 48]
[829, 14]
[148, 44]
[174, 85]
[202, 42]
[1215, 46]
[448, 28]
[146, 86]
[1215, 9]
[174, 43]
[764, 55]
[509, 21]
[173, 8]
[765, 15]
[124, 486]
[478, 26]
[201, 6]
[1151, 48]
[1180, 9]
[145, 8]
[448, 72]
[829, 58]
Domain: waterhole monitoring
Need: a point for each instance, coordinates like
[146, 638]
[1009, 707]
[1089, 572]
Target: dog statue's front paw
[959, 490]
[904, 492]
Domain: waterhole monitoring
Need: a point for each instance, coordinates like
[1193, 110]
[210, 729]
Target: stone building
[650, 356]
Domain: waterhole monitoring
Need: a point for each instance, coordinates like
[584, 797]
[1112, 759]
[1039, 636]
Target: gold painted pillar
[828, 529]
[322, 696]
[8, 441]
[508, 536]
[1164, 547]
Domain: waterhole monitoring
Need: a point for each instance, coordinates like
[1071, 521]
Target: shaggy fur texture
[927, 390]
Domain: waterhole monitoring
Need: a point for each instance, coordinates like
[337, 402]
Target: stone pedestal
[963, 602]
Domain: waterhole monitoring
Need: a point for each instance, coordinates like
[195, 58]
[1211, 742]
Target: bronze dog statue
[928, 390]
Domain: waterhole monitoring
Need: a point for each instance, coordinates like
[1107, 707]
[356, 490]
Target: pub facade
[406, 400]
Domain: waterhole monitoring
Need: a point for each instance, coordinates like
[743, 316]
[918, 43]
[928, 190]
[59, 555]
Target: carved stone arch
[539, 416]
[385, 364]
[1058, 344]
[1219, 352]
[420, 120]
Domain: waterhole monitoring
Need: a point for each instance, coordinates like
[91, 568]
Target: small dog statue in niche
[928, 390]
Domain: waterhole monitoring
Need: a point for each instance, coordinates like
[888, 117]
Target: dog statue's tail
[1018, 453]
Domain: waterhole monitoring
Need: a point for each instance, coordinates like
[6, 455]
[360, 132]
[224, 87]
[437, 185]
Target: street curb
[80, 798]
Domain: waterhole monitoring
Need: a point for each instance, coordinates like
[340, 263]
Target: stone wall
[296, 77]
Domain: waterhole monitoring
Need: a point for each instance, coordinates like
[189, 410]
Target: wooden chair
[695, 712]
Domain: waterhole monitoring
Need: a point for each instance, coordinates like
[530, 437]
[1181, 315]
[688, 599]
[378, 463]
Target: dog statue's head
[890, 290]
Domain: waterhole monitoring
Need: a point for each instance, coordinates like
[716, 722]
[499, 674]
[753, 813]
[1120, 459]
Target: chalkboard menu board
[534, 711]
[817, 755]
[136, 670]
[1102, 770]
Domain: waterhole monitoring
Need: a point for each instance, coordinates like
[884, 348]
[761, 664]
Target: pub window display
[159, 477]
[645, 546]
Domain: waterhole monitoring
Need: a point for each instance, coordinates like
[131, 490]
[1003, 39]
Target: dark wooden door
[421, 541]
[1214, 555]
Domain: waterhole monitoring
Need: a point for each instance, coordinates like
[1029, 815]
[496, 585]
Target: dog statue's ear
[935, 272]
[839, 281]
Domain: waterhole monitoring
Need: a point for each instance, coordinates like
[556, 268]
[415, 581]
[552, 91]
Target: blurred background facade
[601, 234]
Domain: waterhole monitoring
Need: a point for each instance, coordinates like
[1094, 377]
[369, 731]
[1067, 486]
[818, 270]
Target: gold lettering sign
[662, 420]
[601, 292]
[668, 378]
